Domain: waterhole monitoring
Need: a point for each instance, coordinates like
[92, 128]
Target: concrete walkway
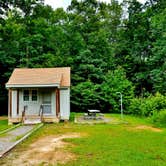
[10, 139]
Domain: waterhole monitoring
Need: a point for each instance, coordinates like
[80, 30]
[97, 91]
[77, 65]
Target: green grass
[109, 144]
[122, 145]
[4, 124]
[114, 145]
[4, 127]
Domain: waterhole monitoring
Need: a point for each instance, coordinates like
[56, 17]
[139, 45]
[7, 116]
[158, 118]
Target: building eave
[32, 85]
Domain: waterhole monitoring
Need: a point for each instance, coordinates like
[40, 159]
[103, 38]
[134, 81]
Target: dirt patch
[3, 117]
[46, 151]
[144, 127]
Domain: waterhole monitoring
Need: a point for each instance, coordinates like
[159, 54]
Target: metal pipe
[121, 104]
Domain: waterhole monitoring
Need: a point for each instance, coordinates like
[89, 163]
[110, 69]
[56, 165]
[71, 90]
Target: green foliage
[146, 106]
[87, 97]
[159, 118]
[116, 81]
[135, 106]
[93, 38]
[135, 48]
[157, 60]
[103, 96]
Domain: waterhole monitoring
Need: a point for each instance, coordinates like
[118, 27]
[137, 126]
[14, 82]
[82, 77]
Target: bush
[146, 106]
[135, 106]
[159, 118]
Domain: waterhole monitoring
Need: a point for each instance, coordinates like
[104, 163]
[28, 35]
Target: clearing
[135, 143]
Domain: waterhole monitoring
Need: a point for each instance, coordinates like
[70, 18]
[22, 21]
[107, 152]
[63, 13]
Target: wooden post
[17, 101]
[9, 103]
[57, 101]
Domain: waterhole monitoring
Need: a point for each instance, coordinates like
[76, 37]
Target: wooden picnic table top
[94, 111]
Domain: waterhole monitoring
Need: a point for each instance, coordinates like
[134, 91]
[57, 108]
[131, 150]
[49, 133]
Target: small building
[39, 94]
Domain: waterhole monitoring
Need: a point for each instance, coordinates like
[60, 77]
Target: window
[34, 95]
[26, 95]
[30, 95]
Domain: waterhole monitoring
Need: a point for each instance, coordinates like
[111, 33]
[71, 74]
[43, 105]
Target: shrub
[135, 106]
[159, 118]
[146, 106]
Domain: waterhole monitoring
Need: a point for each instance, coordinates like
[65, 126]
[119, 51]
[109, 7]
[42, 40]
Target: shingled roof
[40, 77]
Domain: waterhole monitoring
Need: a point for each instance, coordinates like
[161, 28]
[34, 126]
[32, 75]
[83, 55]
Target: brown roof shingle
[40, 76]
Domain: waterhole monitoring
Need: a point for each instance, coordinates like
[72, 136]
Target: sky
[65, 3]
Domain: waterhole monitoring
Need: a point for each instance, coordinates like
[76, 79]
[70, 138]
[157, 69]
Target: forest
[115, 47]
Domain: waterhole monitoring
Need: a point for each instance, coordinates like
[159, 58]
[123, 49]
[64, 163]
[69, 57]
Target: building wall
[14, 103]
[34, 106]
[65, 103]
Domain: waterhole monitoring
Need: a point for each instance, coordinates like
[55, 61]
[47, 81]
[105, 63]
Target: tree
[87, 96]
[116, 81]
[157, 60]
[135, 48]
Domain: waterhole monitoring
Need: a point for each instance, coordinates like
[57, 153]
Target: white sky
[65, 3]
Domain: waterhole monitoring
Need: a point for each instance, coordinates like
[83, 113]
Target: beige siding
[53, 99]
[65, 103]
[14, 103]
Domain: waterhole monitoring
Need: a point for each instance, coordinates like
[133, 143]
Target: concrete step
[32, 121]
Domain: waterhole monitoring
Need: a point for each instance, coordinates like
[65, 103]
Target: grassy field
[135, 143]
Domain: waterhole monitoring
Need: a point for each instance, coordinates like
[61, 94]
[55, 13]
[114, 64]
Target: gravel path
[10, 138]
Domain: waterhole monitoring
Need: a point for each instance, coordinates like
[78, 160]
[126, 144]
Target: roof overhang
[32, 85]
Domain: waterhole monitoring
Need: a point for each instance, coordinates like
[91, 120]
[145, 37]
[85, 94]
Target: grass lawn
[4, 123]
[135, 143]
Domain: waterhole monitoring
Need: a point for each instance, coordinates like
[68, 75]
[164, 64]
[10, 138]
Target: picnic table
[92, 114]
